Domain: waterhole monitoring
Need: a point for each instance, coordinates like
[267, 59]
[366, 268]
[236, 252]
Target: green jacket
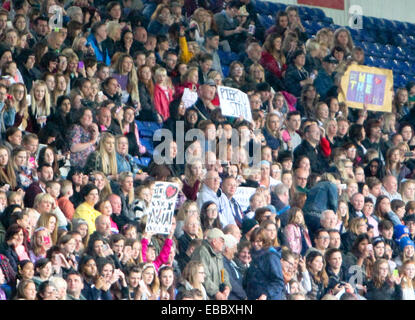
[213, 264]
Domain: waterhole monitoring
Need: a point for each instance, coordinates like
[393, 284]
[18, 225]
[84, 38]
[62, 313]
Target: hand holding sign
[162, 207]
[234, 103]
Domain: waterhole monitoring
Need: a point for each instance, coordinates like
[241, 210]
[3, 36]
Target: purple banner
[367, 88]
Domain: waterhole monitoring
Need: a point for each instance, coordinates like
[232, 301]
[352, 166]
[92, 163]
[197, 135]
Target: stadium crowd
[333, 213]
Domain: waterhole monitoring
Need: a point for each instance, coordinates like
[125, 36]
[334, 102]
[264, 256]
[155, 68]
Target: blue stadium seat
[275, 7]
[262, 7]
[146, 130]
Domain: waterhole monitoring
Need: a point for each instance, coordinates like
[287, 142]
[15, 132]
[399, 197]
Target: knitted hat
[399, 231]
[247, 225]
[405, 241]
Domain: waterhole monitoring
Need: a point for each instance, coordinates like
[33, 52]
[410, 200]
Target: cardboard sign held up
[162, 207]
[234, 103]
[366, 85]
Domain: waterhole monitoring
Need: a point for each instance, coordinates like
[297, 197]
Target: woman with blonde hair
[104, 159]
[19, 93]
[189, 80]
[60, 88]
[126, 75]
[357, 226]
[408, 280]
[193, 178]
[72, 71]
[343, 216]
[151, 283]
[113, 36]
[40, 107]
[193, 277]
[50, 222]
[163, 94]
[407, 190]
[257, 73]
[100, 180]
[323, 37]
[201, 20]
[271, 131]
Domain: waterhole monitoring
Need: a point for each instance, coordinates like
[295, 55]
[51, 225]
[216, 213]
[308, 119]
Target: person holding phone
[40, 244]
[383, 285]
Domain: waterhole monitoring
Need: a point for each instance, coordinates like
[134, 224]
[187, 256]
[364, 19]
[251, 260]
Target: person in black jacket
[311, 148]
[25, 62]
[296, 76]
[383, 285]
[234, 271]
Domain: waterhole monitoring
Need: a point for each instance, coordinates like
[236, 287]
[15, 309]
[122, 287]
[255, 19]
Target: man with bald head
[116, 204]
[211, 191]
[105, 122]
[103, 228]
[233, 230]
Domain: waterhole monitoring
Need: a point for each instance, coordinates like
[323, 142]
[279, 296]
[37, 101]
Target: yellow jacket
[185, 55]
[86, 212]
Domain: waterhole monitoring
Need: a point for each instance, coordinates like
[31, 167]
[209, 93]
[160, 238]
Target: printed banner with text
[162, 207]
[367, 85]
[234, 103]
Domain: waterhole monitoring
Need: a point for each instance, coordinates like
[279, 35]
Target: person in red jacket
[190, 80]
[163, 94]
[273, 59]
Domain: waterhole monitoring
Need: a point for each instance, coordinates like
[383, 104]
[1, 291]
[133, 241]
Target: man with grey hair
[328, 219]
[280, 199]
[233, 230]
[75, 14]
[102, 228]
[216, 283]
[190, 231]
[211, 191]
[234, 271]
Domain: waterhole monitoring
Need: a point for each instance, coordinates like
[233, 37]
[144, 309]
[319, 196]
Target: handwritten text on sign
[363, 85]
[162, 207]
[242, 196]
[366, 88]
[234, 103]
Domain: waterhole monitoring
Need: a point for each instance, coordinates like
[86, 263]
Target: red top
[162, 99]
[271, 64]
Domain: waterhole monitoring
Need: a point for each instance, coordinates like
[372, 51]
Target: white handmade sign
[189, 97]
[242, 196]
[234, 103]
[162, 207]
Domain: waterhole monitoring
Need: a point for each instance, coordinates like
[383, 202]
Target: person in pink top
[149, 253]
[163, 94]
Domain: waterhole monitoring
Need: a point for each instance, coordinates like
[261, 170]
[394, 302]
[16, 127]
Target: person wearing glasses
[321, 242]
